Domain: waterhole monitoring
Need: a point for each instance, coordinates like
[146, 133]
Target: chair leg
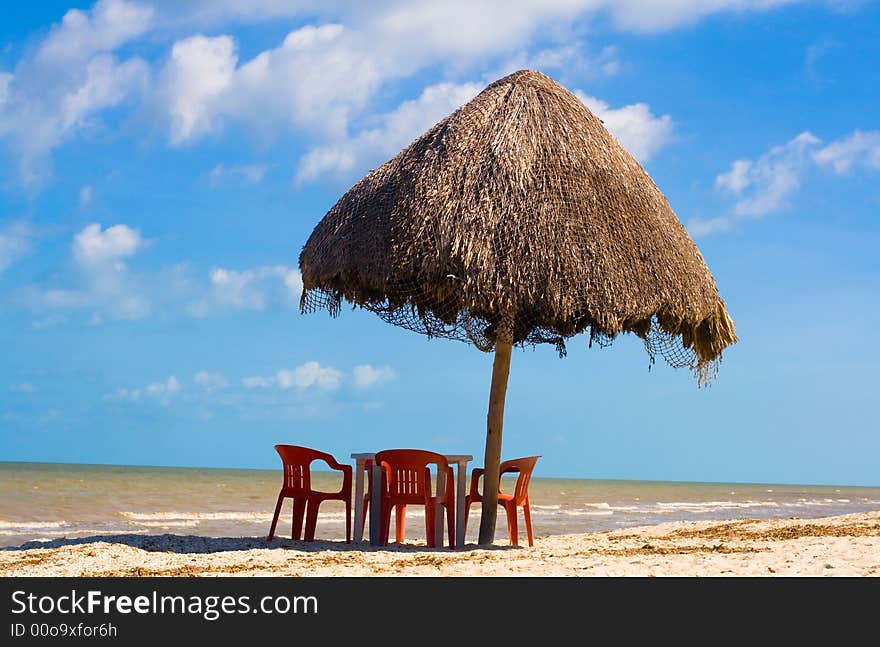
[400, 522]
[299, 510]
[430, 523]
[450, 522]
[385, 526]
[366, 508]
[275, 517]
[510, 509]
[527, 513]
[348, 521]
[311, 519]
[467, 513]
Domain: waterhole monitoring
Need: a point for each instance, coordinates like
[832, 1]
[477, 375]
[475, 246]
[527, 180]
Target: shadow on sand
[197, 544]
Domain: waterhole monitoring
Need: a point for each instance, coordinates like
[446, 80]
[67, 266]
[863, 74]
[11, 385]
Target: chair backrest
[524, 466]
[297, 465]
[407, 472]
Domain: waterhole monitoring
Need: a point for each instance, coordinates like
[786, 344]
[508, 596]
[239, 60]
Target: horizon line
[575, 478]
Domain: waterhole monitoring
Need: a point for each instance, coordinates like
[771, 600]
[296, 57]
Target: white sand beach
[847, 545]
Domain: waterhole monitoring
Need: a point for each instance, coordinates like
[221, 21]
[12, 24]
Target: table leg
[461, 468]
[359, 501]
[375, 505]
[441, 516]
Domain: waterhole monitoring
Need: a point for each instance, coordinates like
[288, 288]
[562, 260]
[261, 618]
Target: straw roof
[519, 205]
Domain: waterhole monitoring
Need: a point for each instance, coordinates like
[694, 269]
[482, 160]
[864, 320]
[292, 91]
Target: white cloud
[162, 392]
[634, 125]
[365, 375]
[761, 186]
[252, 289]
[169, 386]
[23, 387]
[396, 130]
[477, 27]
[241, 173]
[568, 60]
[106, 286]
[766, 185]
[858, 147]
[662, 15]
[293, 283]
[85, 197]
[15, 243]
[316, 79]
[199, 72]
[572, 58]
[737, 178]
[305, 376]
[773, 177]
[210, 381]
[105, 85]
[322, 75]
[310, 374]
[72, 77]
[301, 386]
[91, 246]
[101, 282]
[336, 158]
[213, 13]
[258, 382]
[462, 28]
[705, 227]
[5, 81]
[48, 322]
[109, 24]
[107, 297]
[467, 29]
[35, 121]
[313, 375]
[319, 80]
[65, 298]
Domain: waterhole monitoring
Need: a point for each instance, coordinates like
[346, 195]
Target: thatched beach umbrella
[518, 220]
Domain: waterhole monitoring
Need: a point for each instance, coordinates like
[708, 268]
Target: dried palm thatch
[519, 212]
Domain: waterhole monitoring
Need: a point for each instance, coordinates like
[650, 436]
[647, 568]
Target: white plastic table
[460, 461]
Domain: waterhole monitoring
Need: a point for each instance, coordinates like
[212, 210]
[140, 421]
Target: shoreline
[844, 545]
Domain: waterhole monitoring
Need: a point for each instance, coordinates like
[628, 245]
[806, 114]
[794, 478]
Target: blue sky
[163, 164]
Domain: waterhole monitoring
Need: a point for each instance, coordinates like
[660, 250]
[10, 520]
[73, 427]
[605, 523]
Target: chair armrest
[476, 473]
[446, 497]
[339, 467]
[346, 479]
[335, 464]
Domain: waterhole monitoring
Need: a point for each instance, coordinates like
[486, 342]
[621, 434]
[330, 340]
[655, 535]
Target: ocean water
[52, 501]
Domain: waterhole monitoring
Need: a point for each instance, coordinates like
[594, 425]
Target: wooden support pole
[494, 426]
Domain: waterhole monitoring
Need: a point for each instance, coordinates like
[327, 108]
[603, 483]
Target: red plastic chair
[520, 496]
[297, 485]
[406, 480]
